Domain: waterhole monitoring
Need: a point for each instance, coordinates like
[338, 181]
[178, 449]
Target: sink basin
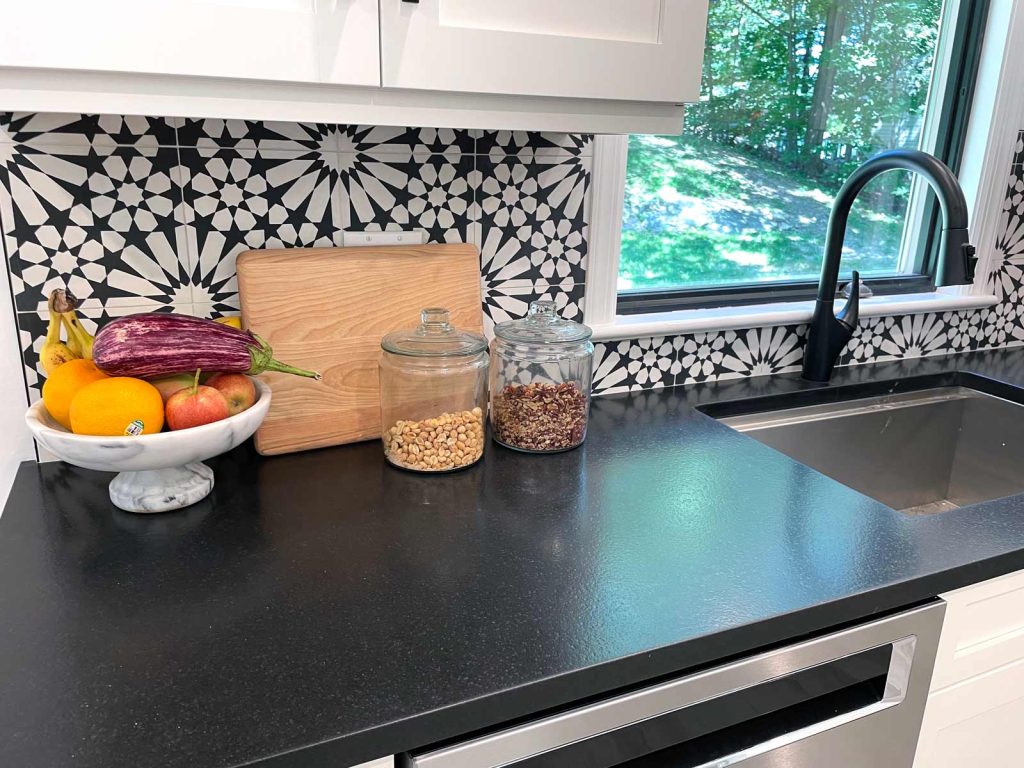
[919, 452]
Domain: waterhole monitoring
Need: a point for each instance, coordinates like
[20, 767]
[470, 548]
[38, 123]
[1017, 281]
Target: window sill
[782, 313]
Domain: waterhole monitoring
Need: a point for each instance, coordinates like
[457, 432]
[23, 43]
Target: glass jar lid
[542, 325]
[435, 336]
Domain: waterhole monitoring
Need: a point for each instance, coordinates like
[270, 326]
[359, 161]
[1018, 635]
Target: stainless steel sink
[919, 452]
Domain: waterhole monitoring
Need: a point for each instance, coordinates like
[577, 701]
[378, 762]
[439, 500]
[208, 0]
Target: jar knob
[542, 311]
[434, 320]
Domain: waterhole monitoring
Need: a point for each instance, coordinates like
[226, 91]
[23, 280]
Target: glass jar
[433, 394]
[540, 381]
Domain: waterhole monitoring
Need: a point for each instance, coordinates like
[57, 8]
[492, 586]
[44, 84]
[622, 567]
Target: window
[796, 94]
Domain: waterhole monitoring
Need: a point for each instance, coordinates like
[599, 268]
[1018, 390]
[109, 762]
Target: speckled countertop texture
[322, 609]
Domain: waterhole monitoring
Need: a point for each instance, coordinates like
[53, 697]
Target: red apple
[237, 389]
[168, 385]
[195, 406]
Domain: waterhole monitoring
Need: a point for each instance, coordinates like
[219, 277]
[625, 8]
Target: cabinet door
[975, 723]
[640, 50]
[298, 40]
[984, 629]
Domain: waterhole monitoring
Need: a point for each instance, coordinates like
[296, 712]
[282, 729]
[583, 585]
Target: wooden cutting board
[326, 309]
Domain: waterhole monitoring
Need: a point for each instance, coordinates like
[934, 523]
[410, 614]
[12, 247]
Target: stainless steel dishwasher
[848, 699]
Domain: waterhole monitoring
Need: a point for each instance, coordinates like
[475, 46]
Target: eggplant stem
[275, 365]
[263, 360]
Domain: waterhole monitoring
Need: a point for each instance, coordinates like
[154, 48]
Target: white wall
[15, 442]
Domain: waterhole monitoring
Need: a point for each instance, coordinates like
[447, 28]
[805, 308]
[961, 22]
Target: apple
[237, 389]
[168, 385]
[194, 406]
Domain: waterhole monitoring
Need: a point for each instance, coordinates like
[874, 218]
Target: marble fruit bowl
[158, 473]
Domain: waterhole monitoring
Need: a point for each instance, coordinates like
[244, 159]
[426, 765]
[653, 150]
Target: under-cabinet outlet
[409, 237]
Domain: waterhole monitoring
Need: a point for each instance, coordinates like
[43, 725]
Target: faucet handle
[850, 312]
[970, 260]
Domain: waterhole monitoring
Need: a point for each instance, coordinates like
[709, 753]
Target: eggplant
[146, 346]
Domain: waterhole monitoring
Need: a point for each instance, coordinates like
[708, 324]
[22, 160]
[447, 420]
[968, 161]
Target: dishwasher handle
[867, 667]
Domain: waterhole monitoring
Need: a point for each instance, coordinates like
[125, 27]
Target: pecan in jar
[540, 416]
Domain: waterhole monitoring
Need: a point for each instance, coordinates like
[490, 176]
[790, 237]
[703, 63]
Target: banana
[232, 321]
[54, 352]
[72, 342]
[79, 340]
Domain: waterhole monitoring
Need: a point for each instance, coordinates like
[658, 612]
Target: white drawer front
[976, 723]
[984, 629]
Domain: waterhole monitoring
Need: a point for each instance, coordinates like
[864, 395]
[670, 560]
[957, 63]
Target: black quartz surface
[324, 609]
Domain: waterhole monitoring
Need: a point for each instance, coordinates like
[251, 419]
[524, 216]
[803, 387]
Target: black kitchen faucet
[829, 332]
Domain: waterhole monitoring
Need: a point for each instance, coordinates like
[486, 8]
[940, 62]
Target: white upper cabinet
[348, 41]
[312, 41]
[600, 66]
[631, 50]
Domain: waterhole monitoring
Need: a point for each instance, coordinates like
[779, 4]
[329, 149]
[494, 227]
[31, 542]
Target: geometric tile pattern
[532, 218]
[630, 365]
[149, 213]
[102, 218]
[145, 214]
[237, 199]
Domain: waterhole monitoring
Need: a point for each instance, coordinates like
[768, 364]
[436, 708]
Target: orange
[64, 383]
[117, 406]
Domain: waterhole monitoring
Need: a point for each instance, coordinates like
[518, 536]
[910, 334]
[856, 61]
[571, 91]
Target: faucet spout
[829, 333]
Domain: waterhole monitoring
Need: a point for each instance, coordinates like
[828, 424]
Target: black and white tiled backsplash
[142, 214]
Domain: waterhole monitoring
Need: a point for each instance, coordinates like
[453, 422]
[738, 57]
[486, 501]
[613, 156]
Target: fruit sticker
[134, 429]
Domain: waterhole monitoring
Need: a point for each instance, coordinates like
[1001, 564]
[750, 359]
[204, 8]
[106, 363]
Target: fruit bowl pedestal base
[161, 490]
[144, 484]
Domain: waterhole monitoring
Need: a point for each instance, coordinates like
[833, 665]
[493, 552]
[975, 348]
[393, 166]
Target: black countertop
[323, 609]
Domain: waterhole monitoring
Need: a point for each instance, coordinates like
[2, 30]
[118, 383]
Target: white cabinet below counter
[384, 762]
[975, 723]
[572, 66]
[975, 709]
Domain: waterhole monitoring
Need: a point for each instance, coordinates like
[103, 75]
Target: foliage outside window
[795, 95]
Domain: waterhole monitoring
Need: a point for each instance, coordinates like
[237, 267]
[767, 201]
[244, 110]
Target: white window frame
[996, 117]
